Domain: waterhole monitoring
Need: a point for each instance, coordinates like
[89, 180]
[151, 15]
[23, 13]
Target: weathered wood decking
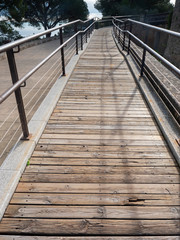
[101, 167]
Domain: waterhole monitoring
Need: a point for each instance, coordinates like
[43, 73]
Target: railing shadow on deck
[123, 32]
[119, 112]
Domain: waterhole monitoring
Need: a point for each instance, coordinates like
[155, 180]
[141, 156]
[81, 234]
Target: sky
[93, 12]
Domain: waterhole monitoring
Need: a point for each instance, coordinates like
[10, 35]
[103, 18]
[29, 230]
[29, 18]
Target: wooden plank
[125, 170]
[96, 199]
[105, 137]
[102, 142]
[98, 162]
[104, 212]
[151, 129]
[87, 106]
[96, 178]
[76, 82]
[58, 130]
[98, 188]
[120, 148]
[104, 121]
[15, 237]
[101, 113]
[106, 155]
[89, 227]
[95, 105]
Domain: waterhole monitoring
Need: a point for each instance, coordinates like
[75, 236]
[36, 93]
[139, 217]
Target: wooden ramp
[101, 167]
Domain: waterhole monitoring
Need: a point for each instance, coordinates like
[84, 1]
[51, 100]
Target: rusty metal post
[86, 37]
[157, 40]
[75, 29]
[119, 36]
[81, 38]
[124, 39]
[62, 52]
[18, 95]
[129, 43]
[143, 62]
[144, 53]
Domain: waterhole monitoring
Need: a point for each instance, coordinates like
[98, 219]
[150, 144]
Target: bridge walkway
[101, 167]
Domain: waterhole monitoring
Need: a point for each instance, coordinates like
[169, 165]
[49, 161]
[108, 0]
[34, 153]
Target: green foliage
[28, 162]
[75, 9]
[11, 12]
[46, 13]
[125, 7]
[7, 31]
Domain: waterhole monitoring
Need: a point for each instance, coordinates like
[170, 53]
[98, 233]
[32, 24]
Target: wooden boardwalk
[101, 167]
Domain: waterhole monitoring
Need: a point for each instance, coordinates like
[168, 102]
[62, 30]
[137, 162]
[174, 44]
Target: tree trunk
[172, 52]
[48, 35]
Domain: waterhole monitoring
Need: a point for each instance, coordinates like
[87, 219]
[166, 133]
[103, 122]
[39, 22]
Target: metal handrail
[170, 32]
[150, 50]
[10, 90]
[16, 43]
[169, 100]
[17, 83]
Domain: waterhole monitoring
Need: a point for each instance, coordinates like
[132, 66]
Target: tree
[75, 9]
[7, 33]
[46, 13]
[172, 52]
[108, 7]
[49, 13]
[125, 7]
[11, 12]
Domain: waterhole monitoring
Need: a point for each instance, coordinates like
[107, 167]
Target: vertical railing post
[144, 53]
[86, 37]
[89, 31]
[75, 29]
[124, 39]
[143, 62]
[119, 36]
[81, 38]
[129, 43]
[18, 95]
[157, 40]
[116, 30]
[62, 52]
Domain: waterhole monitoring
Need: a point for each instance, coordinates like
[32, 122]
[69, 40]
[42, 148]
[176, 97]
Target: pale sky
[92, 11]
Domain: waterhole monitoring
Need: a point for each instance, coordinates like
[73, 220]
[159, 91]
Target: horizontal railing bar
[150, 50]
[170, 32]
[121, 21]
[107, 20]
[126, 16]
[16, 43]
[9, 91]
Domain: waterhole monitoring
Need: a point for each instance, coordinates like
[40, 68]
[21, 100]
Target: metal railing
[81, 28]
[124, 35]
